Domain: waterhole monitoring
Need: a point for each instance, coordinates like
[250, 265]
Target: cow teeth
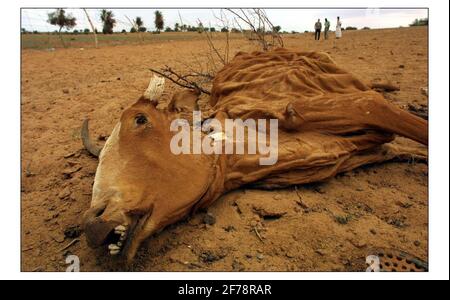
[114, 252]
[118, 232]
[113, 247]
[120, 228]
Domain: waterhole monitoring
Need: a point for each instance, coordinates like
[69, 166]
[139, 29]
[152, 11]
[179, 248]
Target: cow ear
[185, 100]
[154, 90]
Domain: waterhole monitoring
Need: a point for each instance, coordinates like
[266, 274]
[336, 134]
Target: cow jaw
[121, 233]
[128, 237]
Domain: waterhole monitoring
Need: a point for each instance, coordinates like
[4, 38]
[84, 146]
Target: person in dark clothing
[318, 28]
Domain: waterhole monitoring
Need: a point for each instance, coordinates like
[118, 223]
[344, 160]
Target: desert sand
[328, 226]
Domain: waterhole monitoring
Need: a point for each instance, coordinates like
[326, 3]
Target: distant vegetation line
[68, 37]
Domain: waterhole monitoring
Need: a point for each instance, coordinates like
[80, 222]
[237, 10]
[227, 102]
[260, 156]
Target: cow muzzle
[100, 231]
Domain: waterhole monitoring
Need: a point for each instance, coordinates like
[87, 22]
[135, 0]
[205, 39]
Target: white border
[439, 135]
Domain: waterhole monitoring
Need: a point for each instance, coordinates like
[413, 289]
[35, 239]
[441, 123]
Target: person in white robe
[338, 28]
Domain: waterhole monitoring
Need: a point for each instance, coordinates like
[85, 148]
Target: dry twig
[257, 233]
[69, 245]
[180, 79]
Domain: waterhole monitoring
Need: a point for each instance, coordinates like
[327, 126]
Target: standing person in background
[338, 28]
[318, 28]
[327, 28]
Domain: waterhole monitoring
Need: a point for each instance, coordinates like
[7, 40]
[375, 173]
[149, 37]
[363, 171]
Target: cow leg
[345, 114]
[390, 118]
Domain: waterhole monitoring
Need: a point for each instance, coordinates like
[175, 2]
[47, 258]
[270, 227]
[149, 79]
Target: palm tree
[59, 18]
[140, 25]
[139, 22]
[107, 17]
[159, 21]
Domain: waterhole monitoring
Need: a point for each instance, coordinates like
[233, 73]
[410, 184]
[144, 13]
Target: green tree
[277, 29]
[177, 27]
[139, 23]
[200, 28]
[159, 21]
[107, 17]
[59, 18]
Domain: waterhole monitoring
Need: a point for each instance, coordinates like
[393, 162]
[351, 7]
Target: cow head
[140, 186]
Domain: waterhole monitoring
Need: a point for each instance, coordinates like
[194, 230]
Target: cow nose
[98, 231]
[96, 228]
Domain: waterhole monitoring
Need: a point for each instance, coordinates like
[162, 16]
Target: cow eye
[140, 120]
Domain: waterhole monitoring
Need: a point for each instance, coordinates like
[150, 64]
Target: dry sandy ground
[330, 226]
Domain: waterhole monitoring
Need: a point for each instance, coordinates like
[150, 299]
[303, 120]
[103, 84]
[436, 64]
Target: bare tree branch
[181, 80]
[217, 57]
[257, 20]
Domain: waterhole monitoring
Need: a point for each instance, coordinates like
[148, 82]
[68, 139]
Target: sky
[289, 19]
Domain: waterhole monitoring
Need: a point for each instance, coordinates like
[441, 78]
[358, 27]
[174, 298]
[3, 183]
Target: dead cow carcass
[329, 122]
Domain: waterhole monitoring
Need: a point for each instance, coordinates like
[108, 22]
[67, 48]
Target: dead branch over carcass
[189, 81]
[254, 24]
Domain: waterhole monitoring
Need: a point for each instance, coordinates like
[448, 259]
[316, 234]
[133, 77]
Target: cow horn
[155, 89]
[90, 147]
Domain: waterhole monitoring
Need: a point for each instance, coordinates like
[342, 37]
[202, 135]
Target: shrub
[419, 22]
